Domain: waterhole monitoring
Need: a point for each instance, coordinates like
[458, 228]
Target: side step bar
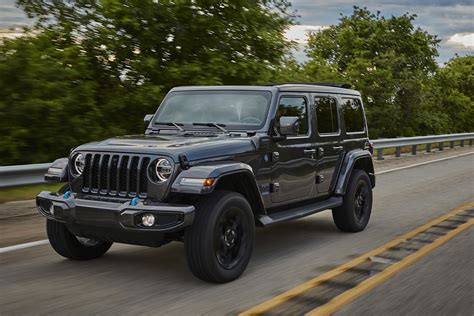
[298, 212]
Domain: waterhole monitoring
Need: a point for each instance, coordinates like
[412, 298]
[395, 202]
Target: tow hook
[134, 201]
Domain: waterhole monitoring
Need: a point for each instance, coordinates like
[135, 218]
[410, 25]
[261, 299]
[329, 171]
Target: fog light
[148, 220]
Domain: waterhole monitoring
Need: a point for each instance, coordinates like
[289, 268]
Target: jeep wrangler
[214, 163]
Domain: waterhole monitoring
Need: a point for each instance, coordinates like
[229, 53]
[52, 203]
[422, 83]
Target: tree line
[88, 70]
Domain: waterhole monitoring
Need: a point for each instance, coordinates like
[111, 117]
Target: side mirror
[147, 119]
[289, 125]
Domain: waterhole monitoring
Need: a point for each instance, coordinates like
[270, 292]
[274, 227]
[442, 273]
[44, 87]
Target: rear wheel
[354, 214]
[220, 242]
[73, 247]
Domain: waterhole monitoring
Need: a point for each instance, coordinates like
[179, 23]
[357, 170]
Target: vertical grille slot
[143, 182]
[133, 189]
[95, 174]
[123, 176]
[113, 175]
[104, 170]
[86, 174]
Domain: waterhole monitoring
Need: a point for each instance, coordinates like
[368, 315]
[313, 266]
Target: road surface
[139, 280]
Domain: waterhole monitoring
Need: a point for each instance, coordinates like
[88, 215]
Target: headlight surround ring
[163, 170]
[78, 164]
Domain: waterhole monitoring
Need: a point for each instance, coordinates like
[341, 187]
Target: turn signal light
[208, 182]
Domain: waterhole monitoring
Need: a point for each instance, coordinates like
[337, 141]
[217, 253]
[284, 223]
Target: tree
[95, 68]
[388, 60]
[47, 99]
[455, 83]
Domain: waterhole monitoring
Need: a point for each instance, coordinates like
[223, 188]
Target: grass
[26, 192]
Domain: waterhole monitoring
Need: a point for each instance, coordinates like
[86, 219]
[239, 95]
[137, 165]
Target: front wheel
[73, 247]
[354, 214]
[219, 244]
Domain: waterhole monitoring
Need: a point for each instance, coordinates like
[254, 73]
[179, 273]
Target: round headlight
[78, 164]
[163, 169]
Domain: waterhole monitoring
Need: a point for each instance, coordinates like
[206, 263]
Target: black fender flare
[351, 159]
[58, 171]
[217, 171]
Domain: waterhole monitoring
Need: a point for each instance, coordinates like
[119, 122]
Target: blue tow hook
[134, 201]
[67, 195]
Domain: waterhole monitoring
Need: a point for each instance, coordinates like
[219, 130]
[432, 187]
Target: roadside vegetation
[93, 69]
[26, 192]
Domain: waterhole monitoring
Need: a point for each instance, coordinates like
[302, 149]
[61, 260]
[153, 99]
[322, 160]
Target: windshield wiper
[177, 125]
[216, 125]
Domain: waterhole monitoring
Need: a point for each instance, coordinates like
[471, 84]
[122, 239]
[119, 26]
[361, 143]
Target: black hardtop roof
[316, 87]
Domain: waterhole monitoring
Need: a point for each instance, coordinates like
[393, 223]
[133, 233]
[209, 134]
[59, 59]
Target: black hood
[195, 148]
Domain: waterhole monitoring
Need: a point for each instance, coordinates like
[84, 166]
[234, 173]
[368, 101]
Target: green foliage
[455, 82]
[91, 69]
[95, 68]
[46, 89]
[388, 60]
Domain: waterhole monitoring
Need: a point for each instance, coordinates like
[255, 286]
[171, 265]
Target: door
[328, 141]
[293, 168]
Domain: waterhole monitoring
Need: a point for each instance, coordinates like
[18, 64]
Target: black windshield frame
[231, 127]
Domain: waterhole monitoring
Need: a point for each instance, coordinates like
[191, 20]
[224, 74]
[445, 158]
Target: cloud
[300, 33]
[462, 39]
[439, 17]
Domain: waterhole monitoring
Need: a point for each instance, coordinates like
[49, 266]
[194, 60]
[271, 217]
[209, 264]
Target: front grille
[115, 175]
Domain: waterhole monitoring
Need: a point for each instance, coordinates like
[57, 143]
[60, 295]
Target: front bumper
[114, 215]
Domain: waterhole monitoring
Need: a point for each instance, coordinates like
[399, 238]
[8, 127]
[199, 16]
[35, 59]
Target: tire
[219, 244]
[72, 247]
[354, 214]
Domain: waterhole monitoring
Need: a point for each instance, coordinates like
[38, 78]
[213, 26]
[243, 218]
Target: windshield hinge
[183, 162]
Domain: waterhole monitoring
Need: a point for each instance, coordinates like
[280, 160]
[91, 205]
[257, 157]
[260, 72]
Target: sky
[451, 20]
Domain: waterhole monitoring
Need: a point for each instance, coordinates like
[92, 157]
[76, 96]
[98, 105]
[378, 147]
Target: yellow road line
[345, 298]
[298, 290]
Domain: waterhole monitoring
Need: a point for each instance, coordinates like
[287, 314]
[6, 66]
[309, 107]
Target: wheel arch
[356, 159]
[233, 176]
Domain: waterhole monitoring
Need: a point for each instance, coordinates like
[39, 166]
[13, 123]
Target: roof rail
[327, 84]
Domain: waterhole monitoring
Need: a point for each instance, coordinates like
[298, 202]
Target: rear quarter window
[353, 115]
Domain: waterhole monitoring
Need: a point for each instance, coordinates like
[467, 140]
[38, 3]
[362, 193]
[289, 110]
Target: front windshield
[241, 110]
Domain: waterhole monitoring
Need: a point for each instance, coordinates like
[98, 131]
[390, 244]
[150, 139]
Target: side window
[353, 115]
[294, 106]
[326, 115]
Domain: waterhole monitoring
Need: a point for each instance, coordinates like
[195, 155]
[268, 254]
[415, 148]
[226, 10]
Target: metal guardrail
[33, 174]
[11, 176]
[399, 142]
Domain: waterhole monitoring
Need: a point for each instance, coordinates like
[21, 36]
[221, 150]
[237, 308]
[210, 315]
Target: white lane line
[423, 163]
[45, 241]
[22, 246]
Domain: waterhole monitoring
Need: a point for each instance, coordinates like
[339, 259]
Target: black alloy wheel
[231, 238]
[354, 214]
[219, 243]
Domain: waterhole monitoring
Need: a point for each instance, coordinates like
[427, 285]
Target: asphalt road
[443, 282]
[131, 280]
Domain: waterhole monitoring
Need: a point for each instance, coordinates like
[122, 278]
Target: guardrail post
[398, 151]
[413, 150]
[462, 143]
[470, 142]
[441, 145]
[428, 148]
[451, 144]
[380, 154]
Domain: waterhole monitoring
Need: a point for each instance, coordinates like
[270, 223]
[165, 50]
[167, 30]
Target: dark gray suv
[213, 163]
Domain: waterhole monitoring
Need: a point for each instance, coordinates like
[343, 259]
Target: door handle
[338, 148]
[310, 152]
